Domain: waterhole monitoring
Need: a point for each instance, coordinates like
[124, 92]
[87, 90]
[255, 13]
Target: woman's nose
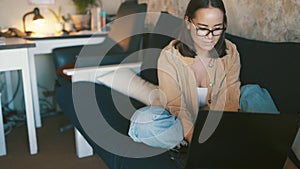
[209, 36]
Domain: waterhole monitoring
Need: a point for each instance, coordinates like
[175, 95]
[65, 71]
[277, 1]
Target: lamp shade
[37, 14]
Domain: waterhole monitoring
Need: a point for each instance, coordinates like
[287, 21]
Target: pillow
[127, 82]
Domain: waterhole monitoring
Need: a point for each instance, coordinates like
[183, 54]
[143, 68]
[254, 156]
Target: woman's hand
[189, 136]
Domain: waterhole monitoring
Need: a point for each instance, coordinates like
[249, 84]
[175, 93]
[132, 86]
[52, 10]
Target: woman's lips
[209, 43]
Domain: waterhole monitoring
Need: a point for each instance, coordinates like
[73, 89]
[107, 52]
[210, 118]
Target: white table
[14, 56]
[44, 45]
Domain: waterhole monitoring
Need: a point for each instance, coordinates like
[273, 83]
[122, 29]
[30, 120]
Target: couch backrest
[274, 66]
[166, 29]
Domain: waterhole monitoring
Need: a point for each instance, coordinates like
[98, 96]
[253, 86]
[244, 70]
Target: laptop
[243, 141]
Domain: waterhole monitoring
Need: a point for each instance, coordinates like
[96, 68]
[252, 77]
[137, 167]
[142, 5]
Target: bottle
[95, 19]
[103, 20]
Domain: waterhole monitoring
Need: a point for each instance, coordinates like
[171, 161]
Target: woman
[201, 68]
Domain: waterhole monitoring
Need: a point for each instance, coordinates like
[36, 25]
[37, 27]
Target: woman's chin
[208, 47]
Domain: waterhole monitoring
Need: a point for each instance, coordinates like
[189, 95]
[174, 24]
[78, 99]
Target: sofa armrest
[91, 73]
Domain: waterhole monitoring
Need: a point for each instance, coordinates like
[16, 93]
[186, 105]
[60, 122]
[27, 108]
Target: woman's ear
[187, 23]
[225, 26]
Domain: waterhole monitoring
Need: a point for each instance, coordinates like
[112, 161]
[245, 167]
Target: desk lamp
[37, 16]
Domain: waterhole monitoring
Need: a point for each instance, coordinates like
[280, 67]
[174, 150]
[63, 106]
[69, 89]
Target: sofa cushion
[155, 41]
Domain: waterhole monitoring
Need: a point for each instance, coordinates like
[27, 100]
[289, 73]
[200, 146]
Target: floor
[56, 149]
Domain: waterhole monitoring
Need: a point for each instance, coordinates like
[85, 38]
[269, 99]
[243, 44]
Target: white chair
[2, 135]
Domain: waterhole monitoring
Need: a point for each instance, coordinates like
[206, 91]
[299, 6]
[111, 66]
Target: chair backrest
[63, 58]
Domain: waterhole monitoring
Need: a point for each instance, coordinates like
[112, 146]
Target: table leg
[83, 149]
[29, 108]
[9, 89]
[2, 135]
[35, 96]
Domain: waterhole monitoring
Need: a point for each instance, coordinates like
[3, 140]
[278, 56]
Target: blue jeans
[256, 99]
[155, 127]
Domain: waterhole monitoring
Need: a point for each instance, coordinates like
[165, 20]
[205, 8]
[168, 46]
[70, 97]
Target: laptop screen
[242, 140]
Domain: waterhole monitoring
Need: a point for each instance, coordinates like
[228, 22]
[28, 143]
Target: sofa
[273, 66]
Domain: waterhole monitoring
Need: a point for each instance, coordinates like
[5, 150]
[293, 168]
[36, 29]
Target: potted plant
[59, 25]
[81, 19]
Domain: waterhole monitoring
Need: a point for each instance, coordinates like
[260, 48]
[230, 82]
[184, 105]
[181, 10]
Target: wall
[269, 20]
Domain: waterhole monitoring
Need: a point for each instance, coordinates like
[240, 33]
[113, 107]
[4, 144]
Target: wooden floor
[56, 149]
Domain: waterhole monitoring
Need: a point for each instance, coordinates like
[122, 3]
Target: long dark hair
[185, 44]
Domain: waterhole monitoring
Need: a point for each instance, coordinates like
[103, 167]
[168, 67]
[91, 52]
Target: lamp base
[28, 33]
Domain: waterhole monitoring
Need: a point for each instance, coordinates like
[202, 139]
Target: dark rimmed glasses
[205, 32]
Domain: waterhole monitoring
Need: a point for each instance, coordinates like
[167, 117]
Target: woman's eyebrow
[201, 24]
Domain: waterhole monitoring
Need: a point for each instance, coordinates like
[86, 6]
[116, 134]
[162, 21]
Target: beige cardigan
[178, 83]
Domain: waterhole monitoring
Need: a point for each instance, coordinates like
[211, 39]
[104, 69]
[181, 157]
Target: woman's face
[206, 19]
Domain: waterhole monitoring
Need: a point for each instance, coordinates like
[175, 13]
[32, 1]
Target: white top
[202, 94]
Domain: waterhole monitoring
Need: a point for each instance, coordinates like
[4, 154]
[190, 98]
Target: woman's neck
[202, 54]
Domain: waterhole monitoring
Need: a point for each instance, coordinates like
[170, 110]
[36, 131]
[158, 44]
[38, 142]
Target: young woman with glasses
[200, 69]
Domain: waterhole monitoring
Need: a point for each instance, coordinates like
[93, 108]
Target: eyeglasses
[205, 32]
